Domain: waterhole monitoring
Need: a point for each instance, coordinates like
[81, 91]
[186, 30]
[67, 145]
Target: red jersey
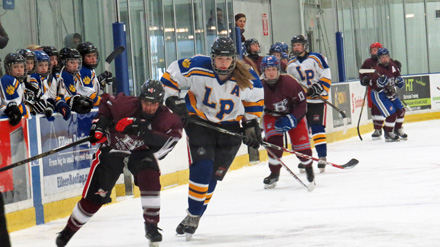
[163, 124]
[285, 97]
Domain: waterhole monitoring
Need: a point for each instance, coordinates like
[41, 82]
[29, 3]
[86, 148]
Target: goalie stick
[350, 164]
[39, 156]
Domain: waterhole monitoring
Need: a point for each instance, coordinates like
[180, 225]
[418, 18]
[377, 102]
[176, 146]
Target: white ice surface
[392, 198]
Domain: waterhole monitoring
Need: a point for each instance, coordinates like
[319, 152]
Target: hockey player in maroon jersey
[252, 58]
[141, 129]
[384, 96]
[376, 115]
[285, 106]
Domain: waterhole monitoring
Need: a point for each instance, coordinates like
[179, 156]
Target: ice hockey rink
[391, 198]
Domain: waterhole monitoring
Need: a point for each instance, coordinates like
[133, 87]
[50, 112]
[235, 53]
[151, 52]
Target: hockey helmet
[86, 48]
[223, 46]
[153, 91]
[11, 59]
[248, 43]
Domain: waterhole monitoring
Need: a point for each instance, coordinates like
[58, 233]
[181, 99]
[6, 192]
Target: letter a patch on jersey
[236, 91]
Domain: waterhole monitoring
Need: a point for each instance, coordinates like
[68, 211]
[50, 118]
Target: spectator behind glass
[72, 40]
[34, 47]
[211, 21]
[240, 21]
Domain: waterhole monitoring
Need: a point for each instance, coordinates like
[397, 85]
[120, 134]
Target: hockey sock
[400, 118]
[389, 122]
[149, 185]
[83, 211]
[211, 189]
[200, 174]
[377, 117]
[320, 140]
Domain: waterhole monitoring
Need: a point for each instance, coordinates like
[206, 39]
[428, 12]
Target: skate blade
[321, 170]
[391, 140]
[270, 186]
[311, 186]
[188, 236]
[375, 138]
[302, 170]
[154, 244]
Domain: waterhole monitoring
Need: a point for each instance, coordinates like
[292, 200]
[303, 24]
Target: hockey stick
[438, 88]
[360, 116]
[350, 164]
[112, 56]
[291, 172]
[39, 156]
[343, 115]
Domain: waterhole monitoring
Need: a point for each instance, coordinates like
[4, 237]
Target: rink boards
[49, 188]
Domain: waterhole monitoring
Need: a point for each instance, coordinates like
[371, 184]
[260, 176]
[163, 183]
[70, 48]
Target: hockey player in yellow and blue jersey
[312, 71]
[89, 78]
[80, 99]
[44, 88]
[223, 92]
[12, 88]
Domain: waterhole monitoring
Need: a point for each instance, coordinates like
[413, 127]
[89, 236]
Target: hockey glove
[14, 113]
[253, 133]
[80, 104]
[399, 81]
[49, 111]
[285, 123]
[33, 87]
[382, 81]
[365, 81]
[63, 108]
[178, 106]
[39, 106]
[104, 78]
[97, 130]
[315, 90]
[132, 126]
[29, 97]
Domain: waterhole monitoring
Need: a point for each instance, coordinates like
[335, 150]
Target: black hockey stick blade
[39, 156]
[113, 55]
[350, 164]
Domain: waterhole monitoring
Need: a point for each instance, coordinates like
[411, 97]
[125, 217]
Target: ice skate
[391, 137]
[322, 164]
[376, 134]
[64, 236]
[301, 168]
[153, 234]
[188, 226]
[402, 135]
[310, 177]
[270, 182]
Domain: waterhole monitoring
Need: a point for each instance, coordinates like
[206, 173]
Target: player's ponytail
[242, 75]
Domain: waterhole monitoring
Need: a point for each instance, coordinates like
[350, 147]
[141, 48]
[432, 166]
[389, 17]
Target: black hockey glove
[33, 88]
[80, 104]
[50, 108]
[132, 126]
[315, 90]
[365, 81]
[98, 129]
[14, 113]
[253, 133]
[104, 78]
[39, 106]
[178, 106]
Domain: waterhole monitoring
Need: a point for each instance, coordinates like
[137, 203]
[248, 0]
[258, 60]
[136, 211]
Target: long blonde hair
[242, 75]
